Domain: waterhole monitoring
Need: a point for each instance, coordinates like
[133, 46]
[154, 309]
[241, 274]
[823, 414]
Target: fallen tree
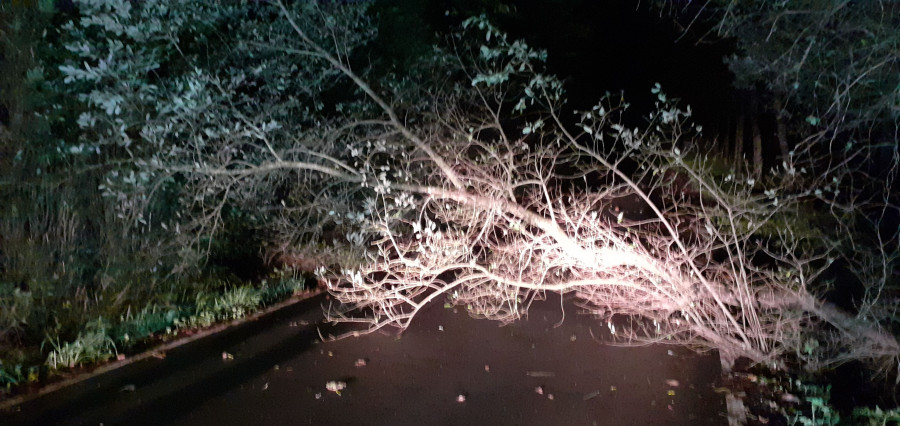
[465, 182]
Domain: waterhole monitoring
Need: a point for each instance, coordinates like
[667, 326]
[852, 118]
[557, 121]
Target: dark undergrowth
[759, 396]
[33, 356]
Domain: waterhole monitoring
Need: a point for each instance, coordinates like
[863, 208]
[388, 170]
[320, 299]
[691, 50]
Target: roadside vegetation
[79, 283]
[152, 148]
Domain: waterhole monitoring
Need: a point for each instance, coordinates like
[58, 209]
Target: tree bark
[739, 143]
[757, 150]
[781, 132]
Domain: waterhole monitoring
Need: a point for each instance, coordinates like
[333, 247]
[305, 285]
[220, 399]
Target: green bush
[92, 345]
[149, 321]
[876, 416]
[210, 308]
[16, 307]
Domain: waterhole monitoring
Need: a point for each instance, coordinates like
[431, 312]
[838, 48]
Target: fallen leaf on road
[335, 386]
[590, 395]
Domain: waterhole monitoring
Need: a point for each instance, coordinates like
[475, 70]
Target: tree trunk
[781, 133]
[725, 140]
[757, 151]
[739, 143]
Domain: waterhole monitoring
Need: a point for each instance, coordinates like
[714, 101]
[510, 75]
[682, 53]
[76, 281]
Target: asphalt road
[447, 368]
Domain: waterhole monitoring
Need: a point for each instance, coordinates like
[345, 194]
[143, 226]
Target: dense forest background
[168, 165]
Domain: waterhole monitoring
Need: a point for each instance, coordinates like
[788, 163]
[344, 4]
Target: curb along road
[175, 374]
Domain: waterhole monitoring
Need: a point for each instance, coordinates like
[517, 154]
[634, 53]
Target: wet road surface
[446, 369]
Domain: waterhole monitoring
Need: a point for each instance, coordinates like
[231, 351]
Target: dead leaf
[590, 395]
[335, 386]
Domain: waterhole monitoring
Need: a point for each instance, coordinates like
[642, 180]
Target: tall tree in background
[830, 71]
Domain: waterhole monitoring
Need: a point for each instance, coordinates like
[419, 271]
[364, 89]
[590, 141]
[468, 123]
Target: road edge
[7, 404]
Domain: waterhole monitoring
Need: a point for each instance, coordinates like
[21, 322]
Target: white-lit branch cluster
[671, 252]
[463, 184]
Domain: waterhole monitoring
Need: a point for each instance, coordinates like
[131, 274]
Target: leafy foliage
[280, 125]
[834, 64]
[830, 71]
[460, 180]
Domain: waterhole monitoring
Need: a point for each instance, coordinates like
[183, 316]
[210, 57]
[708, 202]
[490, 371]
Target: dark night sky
[595, 46]
[609, 45]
